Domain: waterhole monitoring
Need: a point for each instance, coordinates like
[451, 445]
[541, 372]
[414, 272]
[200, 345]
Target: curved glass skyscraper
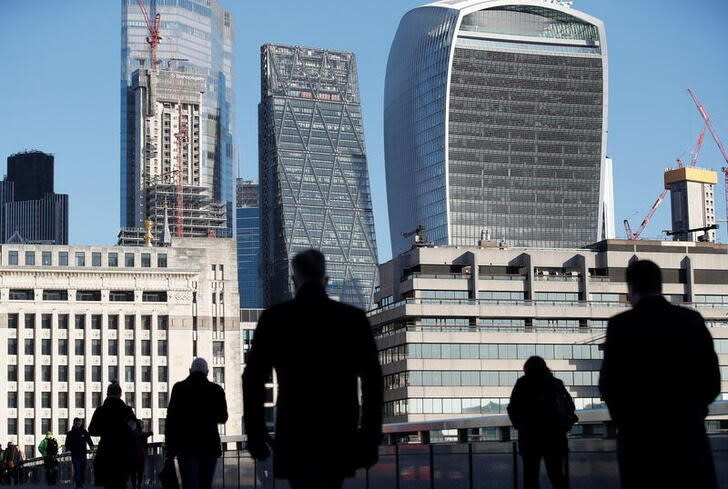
[495, 122]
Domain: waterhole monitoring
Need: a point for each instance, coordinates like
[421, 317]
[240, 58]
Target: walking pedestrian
[77, 441]
[140, 455]
[657, 349]
[113, 421]
[543, 412]
[321, 349]
[48, 448]
[196, 408]
[13, 460]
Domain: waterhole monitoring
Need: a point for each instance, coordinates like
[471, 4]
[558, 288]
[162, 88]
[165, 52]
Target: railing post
[432, 466]
[396, 465]
[515, 464]
[471, 482]
[255, 474]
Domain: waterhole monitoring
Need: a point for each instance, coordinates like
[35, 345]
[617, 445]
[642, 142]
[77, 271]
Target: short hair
[309, 265]
[644, 277]
[114, 389]
[535, 366]
[199, 364]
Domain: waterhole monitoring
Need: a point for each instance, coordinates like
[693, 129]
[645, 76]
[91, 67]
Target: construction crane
[709, 124]
[418, 232]
[153, 26]
[696, 152]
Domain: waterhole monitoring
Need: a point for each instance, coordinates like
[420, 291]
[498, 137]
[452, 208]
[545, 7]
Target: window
[80, 373]
[113, 259]
[96, 347]
[12, 400]
[12, 426]
[29, 400]
[129, 398]
[30, 321]
[29, 430]
[62, 346]
[96, 321]
[129, 373]
[45, 425]
[29, 347]
[46, 258]
[146, 373]
[96, 373]
[113, 348]
[162, 348]
[46, 321]
[129, 322]
[80, 321]
[80, 347]
[218, 375]
[63, 373]
[80, 400]
[12, 346]
[162, 424]
[29, 374]
[45, 400]
[63, 321]
[128, 259]
[63, 258]
[162, 373]
[80, 259]
[218, 349]
[162, 400]
[55, 295]
[129, 347]
[146, 348]
[95, 259]
[154, 296]
[12, 257]
[45, 346]
[146, 400]
[63, 425]
[96, 400]
[88, 295]
[162, 260]
[214, 298]
[21, 295]
[146, 260]
[12, 373]
[121, 296]
[113, 320]
[13, 321]
[162, 323]
[146, 322]
[113, 373]
[63, 400]
[30, 257]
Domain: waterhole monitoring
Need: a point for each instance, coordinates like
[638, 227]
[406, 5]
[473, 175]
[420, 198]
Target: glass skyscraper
[313, 171]
[197, 39]
[247, 216]
[495, 124]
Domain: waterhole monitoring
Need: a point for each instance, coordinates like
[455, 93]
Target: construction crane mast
[153, 26]
[709, 124]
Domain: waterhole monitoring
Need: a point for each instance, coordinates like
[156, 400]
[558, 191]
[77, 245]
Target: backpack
[560, 409]
[52, 447]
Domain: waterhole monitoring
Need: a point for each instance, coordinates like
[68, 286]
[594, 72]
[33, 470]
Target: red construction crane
[646, 220]
[153, 26]
[696, 152]
[718, 142]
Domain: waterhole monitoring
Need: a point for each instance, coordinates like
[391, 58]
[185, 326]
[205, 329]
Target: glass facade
[313, 172]
[250, 287]
[517, 146]
[201, 33]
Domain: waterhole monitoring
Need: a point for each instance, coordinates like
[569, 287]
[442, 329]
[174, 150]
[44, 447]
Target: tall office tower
[30, 212]
[692, 202]
[495, 122]
[313, 171]
[247, 216]
[197, 40]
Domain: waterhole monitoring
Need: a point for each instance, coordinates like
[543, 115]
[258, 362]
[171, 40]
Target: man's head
[114, 390]
[644, 279]
[49, 435]
[536, 366]
[309, 267]
[76, 422]
[199, 365]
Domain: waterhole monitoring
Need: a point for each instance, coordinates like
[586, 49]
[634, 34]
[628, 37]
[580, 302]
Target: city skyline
[652, 121]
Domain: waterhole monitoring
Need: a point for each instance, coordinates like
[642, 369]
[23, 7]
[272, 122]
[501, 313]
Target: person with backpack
[12, 460]
[48, 448]
[543, 412]
[76, 442]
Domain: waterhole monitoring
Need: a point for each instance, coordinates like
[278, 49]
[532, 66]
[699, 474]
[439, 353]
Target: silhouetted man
[542, 411]
[659, 374]
[319, 348]
[196, 407]
[77, 441]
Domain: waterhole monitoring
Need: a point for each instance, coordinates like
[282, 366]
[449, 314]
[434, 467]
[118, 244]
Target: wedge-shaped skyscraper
[313, 171]
[495, 123]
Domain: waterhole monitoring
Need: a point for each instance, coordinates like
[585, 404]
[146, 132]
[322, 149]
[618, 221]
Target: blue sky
[61, 69]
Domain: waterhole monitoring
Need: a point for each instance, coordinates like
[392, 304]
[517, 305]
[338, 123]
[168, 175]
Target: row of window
[493, 405]
[80, 400]
[79, 373]
[492, 351]
[479, 378]
[29, 347]
[112, 259]
[79, 321]
[89, 295]
[63, 427]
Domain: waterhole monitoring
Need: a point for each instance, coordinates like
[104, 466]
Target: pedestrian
[48, 448]
[140, 455]
[654, 350]
[321, 349]
[13, 460]
[543, 412]
[2, 465]
[112, 421]
[196, 408]
[77, 441]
